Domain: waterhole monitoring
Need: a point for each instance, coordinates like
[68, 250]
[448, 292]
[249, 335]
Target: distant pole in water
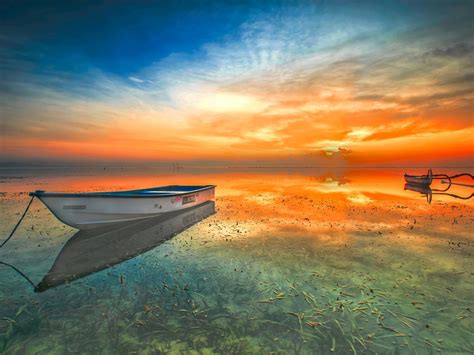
[176, 166]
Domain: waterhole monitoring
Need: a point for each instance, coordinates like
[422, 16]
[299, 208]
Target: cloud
[460, 80]
[455, 51]
[136, 80]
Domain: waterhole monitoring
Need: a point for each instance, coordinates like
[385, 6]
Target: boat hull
[425, 180]
[89, 211]
[417, 180]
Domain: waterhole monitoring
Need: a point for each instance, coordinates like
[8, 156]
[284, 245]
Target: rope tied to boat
[21, 274]
[9, 237]
[21, 219]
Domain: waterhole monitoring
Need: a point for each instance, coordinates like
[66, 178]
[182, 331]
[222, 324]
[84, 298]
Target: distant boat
[420, 179]
[90, 251]
[96, 209]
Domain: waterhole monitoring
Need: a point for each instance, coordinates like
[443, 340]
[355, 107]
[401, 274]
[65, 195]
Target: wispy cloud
[136, 80]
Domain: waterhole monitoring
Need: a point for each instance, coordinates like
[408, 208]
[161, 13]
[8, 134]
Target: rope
[21, 219]
[21, 274]
[9, 237]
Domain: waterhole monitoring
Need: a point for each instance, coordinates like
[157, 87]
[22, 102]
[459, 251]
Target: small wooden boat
[90, 251]
[96, 209]
[420, 179]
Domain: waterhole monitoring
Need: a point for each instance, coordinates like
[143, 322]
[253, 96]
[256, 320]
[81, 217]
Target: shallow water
[297, 261]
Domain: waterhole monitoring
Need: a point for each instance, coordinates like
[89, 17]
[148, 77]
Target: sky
[323, 83]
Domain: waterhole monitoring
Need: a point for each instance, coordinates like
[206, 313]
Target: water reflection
[296, 261]
[90, 251]
[428, 192]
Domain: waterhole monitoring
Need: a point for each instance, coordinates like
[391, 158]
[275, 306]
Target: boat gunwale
[142, 193]
[416, 176]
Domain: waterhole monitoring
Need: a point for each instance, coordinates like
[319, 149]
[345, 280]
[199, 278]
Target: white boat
[95, 209]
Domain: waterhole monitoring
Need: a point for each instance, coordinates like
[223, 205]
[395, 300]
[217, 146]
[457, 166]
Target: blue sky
[123, 37]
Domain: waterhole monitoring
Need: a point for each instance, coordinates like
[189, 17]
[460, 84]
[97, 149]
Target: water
[296, 261]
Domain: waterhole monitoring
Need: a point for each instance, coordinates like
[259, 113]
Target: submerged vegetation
[277, 270]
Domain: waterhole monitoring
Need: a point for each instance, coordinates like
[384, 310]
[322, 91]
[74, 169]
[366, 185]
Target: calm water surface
[292, 261]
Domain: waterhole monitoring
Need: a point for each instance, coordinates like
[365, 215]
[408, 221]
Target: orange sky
[332, 135]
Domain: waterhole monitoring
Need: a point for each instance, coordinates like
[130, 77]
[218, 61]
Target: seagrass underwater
[284, 260]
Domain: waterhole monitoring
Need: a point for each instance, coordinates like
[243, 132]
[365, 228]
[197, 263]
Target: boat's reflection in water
[428, 192]
[90, 251]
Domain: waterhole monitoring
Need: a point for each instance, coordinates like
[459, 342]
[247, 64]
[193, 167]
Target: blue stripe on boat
[170, 190]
